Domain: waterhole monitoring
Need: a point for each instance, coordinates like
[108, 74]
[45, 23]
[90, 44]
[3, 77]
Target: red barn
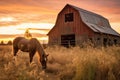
[75, 26]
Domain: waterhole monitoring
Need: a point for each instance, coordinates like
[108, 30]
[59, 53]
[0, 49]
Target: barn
[75, 26]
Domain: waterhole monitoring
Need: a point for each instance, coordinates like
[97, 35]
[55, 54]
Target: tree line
[8, 43]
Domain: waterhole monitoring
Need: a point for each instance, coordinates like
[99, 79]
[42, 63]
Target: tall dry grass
[63, 64]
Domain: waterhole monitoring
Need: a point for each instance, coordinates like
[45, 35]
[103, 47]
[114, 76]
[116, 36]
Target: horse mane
[39, 48]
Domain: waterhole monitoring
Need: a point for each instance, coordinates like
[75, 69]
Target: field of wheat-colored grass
[63, 64]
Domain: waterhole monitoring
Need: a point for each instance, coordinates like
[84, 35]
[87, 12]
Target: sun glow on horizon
[43, 40]
[7, 19]
[16, 28]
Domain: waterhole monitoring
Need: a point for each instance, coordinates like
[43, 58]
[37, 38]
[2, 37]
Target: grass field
[63, 64]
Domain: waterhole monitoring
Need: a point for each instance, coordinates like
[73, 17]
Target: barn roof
[95, 22]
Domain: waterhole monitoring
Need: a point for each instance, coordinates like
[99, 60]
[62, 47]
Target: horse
[30, 45]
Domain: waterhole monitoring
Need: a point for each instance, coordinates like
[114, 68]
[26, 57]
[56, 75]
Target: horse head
[43, 61]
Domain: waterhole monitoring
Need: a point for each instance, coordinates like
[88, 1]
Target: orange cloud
[45, 11]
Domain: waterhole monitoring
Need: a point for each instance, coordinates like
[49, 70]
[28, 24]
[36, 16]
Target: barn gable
[63, 18]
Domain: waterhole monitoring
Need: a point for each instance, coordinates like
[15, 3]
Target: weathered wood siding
[76, 27]
[81, 30]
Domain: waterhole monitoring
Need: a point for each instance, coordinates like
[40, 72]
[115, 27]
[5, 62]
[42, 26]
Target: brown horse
[30, 45]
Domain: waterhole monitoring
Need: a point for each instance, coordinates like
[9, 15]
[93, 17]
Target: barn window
[69, 17]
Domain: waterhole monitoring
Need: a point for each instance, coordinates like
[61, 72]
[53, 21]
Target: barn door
[68, 40]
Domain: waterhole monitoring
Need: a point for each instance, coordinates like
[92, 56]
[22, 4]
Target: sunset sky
[18, 15]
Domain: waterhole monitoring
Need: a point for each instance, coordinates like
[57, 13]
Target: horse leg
[15, 50]
[31, 54]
